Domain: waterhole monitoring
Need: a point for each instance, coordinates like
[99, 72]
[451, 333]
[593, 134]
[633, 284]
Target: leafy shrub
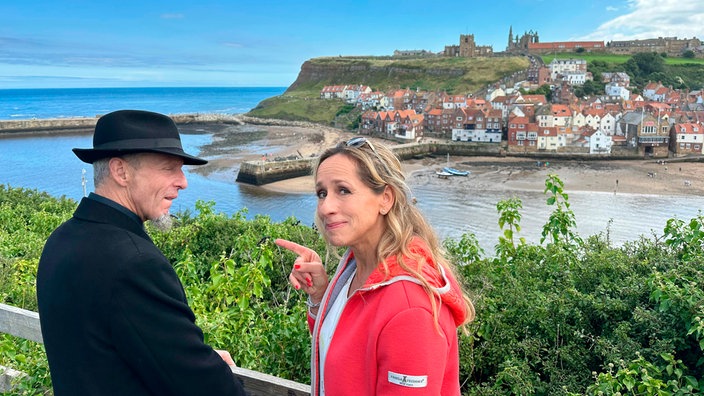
[568, 316]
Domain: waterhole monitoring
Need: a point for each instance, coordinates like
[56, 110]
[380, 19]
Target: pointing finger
[306, 253]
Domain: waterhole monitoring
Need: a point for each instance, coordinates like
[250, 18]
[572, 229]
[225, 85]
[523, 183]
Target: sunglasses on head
[359, 142]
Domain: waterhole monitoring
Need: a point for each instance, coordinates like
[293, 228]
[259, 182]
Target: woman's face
[350, 211]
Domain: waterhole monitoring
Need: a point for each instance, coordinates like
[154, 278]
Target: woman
[386, 323]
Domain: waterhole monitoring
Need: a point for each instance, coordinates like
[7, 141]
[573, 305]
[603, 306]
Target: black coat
[114, 316]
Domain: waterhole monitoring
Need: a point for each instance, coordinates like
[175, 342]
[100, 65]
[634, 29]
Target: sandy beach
[490, 173]
[233, 144]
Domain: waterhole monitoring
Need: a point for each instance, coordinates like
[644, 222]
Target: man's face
[154, 182]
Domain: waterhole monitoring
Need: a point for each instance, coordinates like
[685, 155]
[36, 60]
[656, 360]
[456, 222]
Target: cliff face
[449, 74]
[364, 73]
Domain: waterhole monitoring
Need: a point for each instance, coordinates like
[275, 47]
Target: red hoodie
[386, 341]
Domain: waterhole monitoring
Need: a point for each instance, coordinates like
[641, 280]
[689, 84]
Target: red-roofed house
[433, 120]
[547, 139]
[686, 139]
[522, 135]
[332, 92]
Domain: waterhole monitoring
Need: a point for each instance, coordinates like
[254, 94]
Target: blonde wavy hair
[378, 167]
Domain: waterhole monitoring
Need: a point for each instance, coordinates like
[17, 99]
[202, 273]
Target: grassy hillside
[452, 75]
[678, 73]
[616, 59]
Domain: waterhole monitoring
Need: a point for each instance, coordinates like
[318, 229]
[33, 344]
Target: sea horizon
[51, 103]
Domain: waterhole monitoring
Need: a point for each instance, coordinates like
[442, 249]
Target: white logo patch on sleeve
[410, 381]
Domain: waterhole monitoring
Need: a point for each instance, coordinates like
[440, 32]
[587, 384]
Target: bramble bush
[566, 316]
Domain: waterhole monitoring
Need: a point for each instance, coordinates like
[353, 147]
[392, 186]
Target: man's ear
[119, 170]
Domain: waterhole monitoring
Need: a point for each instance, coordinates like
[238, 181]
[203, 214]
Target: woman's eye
[321, 194]
[344, 191]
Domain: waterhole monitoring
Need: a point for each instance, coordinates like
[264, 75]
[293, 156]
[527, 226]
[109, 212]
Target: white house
[565, 66]
[493, 94]
[592, 119]
[599, 142]
[608, 124]
[476, 135]
[614, 89]
[573, 77]
[687, 138]
[548, 139]
[351, 92]
[578, 120]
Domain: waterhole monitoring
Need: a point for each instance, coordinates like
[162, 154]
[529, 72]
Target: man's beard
[162, 223]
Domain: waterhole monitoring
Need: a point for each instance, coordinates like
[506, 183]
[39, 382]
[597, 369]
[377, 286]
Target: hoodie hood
[444, 284]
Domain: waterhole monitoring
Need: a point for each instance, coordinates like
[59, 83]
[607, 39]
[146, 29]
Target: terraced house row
[659, 123]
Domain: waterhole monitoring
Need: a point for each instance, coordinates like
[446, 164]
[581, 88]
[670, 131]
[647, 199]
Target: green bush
[567, 316]
[578, 317]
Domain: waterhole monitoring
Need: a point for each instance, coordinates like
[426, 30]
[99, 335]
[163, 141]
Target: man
[114, 316]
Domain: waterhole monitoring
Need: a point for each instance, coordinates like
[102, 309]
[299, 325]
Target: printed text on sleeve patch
[410, 381]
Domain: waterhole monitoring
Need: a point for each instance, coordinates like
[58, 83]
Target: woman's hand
[308, 273]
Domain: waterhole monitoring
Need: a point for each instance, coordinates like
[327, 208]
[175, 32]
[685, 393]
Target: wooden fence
[25, 324]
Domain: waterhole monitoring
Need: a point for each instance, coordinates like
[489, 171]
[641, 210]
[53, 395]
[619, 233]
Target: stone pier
[263, 172]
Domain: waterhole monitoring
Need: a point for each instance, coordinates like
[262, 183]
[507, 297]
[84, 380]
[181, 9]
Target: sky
[242, 43]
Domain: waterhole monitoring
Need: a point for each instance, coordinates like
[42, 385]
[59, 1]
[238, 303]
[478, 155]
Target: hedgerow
[568, 316]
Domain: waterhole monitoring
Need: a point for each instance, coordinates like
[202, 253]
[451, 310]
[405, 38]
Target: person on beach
[386, 323]
[113, 313]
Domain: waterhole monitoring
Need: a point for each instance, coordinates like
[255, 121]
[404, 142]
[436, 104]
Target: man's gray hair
[101, 167]
[101, 170]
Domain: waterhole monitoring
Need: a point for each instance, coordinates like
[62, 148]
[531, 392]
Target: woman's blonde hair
[378, 167]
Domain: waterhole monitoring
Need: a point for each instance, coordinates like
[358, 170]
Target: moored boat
[455, 172]
[442, 174]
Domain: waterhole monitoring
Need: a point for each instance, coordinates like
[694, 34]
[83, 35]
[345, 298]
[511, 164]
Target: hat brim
[91, 155]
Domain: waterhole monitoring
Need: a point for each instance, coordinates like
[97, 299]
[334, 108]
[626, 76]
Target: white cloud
[653, 18]
[611, 8]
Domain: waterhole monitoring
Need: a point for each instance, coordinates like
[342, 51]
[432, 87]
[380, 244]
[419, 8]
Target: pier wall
[48, 125]
[263, 172]
[87, 124]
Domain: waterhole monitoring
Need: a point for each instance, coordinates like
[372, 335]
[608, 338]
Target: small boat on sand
[455, 172]
[442, 174]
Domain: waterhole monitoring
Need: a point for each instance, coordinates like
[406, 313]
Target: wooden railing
[25, 324]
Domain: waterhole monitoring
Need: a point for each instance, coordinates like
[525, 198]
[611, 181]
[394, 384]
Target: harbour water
[46, 163]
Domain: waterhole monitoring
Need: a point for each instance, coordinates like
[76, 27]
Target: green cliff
[301, 101]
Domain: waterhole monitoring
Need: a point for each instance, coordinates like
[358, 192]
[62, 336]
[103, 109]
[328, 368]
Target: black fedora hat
[133, 131]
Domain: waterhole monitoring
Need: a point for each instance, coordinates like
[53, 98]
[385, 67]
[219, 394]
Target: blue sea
[23, 104]
[46, 163]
